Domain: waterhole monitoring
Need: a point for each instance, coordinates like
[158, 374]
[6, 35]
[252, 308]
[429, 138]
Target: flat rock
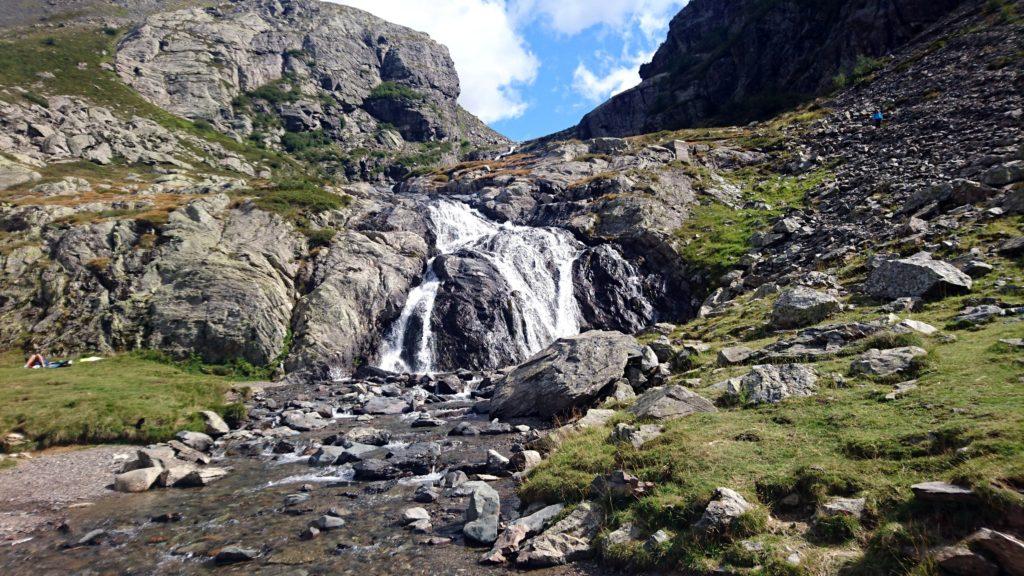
[234, 555]
[943, 492]
[1007, 550]
[670, 403]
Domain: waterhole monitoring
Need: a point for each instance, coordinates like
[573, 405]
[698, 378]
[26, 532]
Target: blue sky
[532, 67]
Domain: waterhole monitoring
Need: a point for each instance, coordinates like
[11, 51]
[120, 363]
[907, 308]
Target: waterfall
[535, 262]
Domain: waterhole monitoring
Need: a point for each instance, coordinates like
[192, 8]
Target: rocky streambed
[356, 477]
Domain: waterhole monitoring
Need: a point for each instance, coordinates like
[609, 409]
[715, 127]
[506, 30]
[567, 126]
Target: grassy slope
[120, 399]
[844, 442]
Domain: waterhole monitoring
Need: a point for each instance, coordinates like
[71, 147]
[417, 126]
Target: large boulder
[803, 306]
[569, 374]
[918, 276]
[609, 290]
[772, 383]
[887, 362]
[13, 174]
[669, 403]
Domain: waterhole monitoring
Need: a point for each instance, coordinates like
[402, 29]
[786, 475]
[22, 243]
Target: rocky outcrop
[610, 291]
[334, 68]
[741, 59]
[358, 285]
[803, 306]
[567, 375]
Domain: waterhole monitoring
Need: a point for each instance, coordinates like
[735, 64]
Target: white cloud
[490, 55]
[574, 16]
[616, 76]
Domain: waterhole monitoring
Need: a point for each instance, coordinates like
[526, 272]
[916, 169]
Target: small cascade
[536, 263]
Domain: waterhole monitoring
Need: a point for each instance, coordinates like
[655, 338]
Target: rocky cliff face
[282, 71]
[730, 61]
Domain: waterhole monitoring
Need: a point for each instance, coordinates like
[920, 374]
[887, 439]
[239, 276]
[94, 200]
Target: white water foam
[536, 263]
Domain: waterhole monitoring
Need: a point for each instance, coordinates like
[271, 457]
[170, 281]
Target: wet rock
[887, 362]
[958, 560]
[202, 477]
[174, 473]
[420, 527]
[803, 306]
[215, 425]
[568, 540]
[195, 440]
[917, 276]
[944, 492]
[496, 462]
[326, 456]
[309, 533]
[365, 435]
[93, 538]
[137, 480]
[1007, 550]
[374, 469]
[234, 555]
[410, 515]
[670, 403]
[303, 421]
[725, 507]
[569, 374]
[636, 436]
[482, 515]
[770, 384]
[426, 421]
[384, 406]
[425, 494]
[329, 522]
[464, 429]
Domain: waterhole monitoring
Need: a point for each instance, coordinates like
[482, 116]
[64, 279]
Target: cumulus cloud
[574, 16]
[616, 76]
[490, 55]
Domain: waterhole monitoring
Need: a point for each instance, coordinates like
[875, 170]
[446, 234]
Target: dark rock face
[610, 291]
[475, 323]
[732, 60]
[569, 374]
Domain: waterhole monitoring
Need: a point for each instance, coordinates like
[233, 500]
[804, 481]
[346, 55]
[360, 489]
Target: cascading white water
[535, 262]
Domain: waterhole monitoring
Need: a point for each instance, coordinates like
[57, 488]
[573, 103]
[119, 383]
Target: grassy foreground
[964, 423]
[120, 399]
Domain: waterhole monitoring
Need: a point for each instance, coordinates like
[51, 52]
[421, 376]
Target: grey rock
[725, 507]
[567, 375]
[977, 315]
[367, 435]
[568, 540]
[215, 425]
[773, 383]
[234, 555]
[636, 436]
[917, 276]
[838, 506]
[13, 174]
[384, 405]
[137, 480]
[195, 440]
[669, 403]
[733, 355]
[202, 477]
[482, 515]
[959, 560]
[803, 306]
[536, 523]
[1007, 550]
[943, 492]
[887, 362]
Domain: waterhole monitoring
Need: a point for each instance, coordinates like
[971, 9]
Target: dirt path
[41, 489]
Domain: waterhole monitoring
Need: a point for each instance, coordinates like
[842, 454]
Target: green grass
[964, 423]
[716, 236]
[394, 91]
[126, 398]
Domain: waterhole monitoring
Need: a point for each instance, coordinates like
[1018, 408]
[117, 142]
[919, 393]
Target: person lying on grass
[39, 361]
